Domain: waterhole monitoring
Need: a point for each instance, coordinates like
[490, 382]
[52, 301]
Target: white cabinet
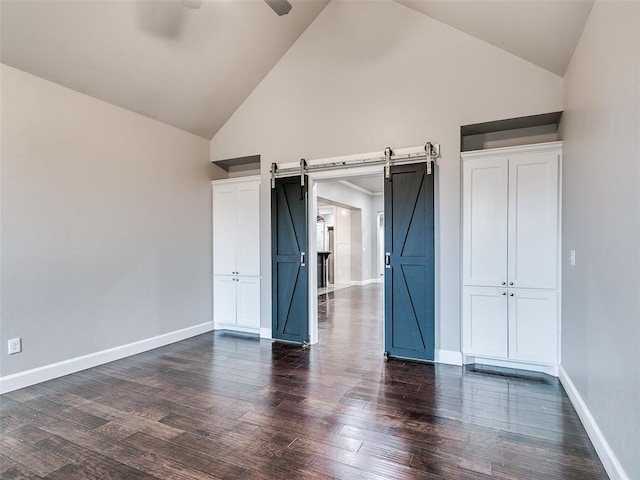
[236, 228]
[514, 324]
[485, 187]
[533, 220]
[248, 302]
[236, 301]
[236, 254]
[224, 300]
[486, 330]
[510, 218]
[510, 253]
[533, 325]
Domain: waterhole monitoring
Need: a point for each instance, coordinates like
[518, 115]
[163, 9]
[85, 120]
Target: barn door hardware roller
[387, 162]
[433, 152]
[274, 169]
[303, 170]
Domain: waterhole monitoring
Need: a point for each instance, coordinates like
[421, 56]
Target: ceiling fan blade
[281, 7]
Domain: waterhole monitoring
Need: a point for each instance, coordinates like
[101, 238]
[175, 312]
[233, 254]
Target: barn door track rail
[427, 153]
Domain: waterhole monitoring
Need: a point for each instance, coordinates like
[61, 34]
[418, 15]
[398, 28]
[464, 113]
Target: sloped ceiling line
[192, 69]
[544, 33]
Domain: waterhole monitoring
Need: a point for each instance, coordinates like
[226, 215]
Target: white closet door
[533, 325]
[484, 316]
[224, 299]
[224, 229]
[533, 220]
[248, 221]
[248, 302]
[485, 222]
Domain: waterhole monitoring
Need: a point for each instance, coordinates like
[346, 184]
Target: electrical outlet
[572, 258]
[15, 345]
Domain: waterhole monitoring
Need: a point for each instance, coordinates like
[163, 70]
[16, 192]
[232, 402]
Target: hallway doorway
[347, 217]
[352, 316]
[408, 207]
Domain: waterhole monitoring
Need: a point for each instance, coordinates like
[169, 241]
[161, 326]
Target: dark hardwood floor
[227, 406]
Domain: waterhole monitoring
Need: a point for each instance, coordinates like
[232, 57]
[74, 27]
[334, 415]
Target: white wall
[367, 75]
[105, 225]
[601, 222]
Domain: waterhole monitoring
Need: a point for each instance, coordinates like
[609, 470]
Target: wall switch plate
[15, 345]
[572, 258]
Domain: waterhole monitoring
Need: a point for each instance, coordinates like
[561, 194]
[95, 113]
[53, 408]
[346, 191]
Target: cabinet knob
[510, 283]
[504, 283]
[511, 294]
[504, 293]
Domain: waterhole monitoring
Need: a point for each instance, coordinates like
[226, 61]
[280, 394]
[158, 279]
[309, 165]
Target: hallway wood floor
[226, 406]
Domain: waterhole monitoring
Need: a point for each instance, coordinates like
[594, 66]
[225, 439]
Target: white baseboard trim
[236, 328]
[265, 333]
[18, 380]
[495, 362]
[450, 357]
[362, 283]
[603, 449]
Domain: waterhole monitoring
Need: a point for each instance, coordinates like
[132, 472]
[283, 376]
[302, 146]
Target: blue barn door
[409, 262]
[290, 297]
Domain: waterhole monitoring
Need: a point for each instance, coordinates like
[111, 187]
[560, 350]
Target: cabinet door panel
[485, 222]
[224, 299]
[224, 229]
[533, 220]
[484, 312]
[248, 236]
[248, 301]
[533, 326]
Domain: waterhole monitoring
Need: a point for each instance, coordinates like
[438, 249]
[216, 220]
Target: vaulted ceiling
[192, 68]
[188, 68]
[544, 32]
